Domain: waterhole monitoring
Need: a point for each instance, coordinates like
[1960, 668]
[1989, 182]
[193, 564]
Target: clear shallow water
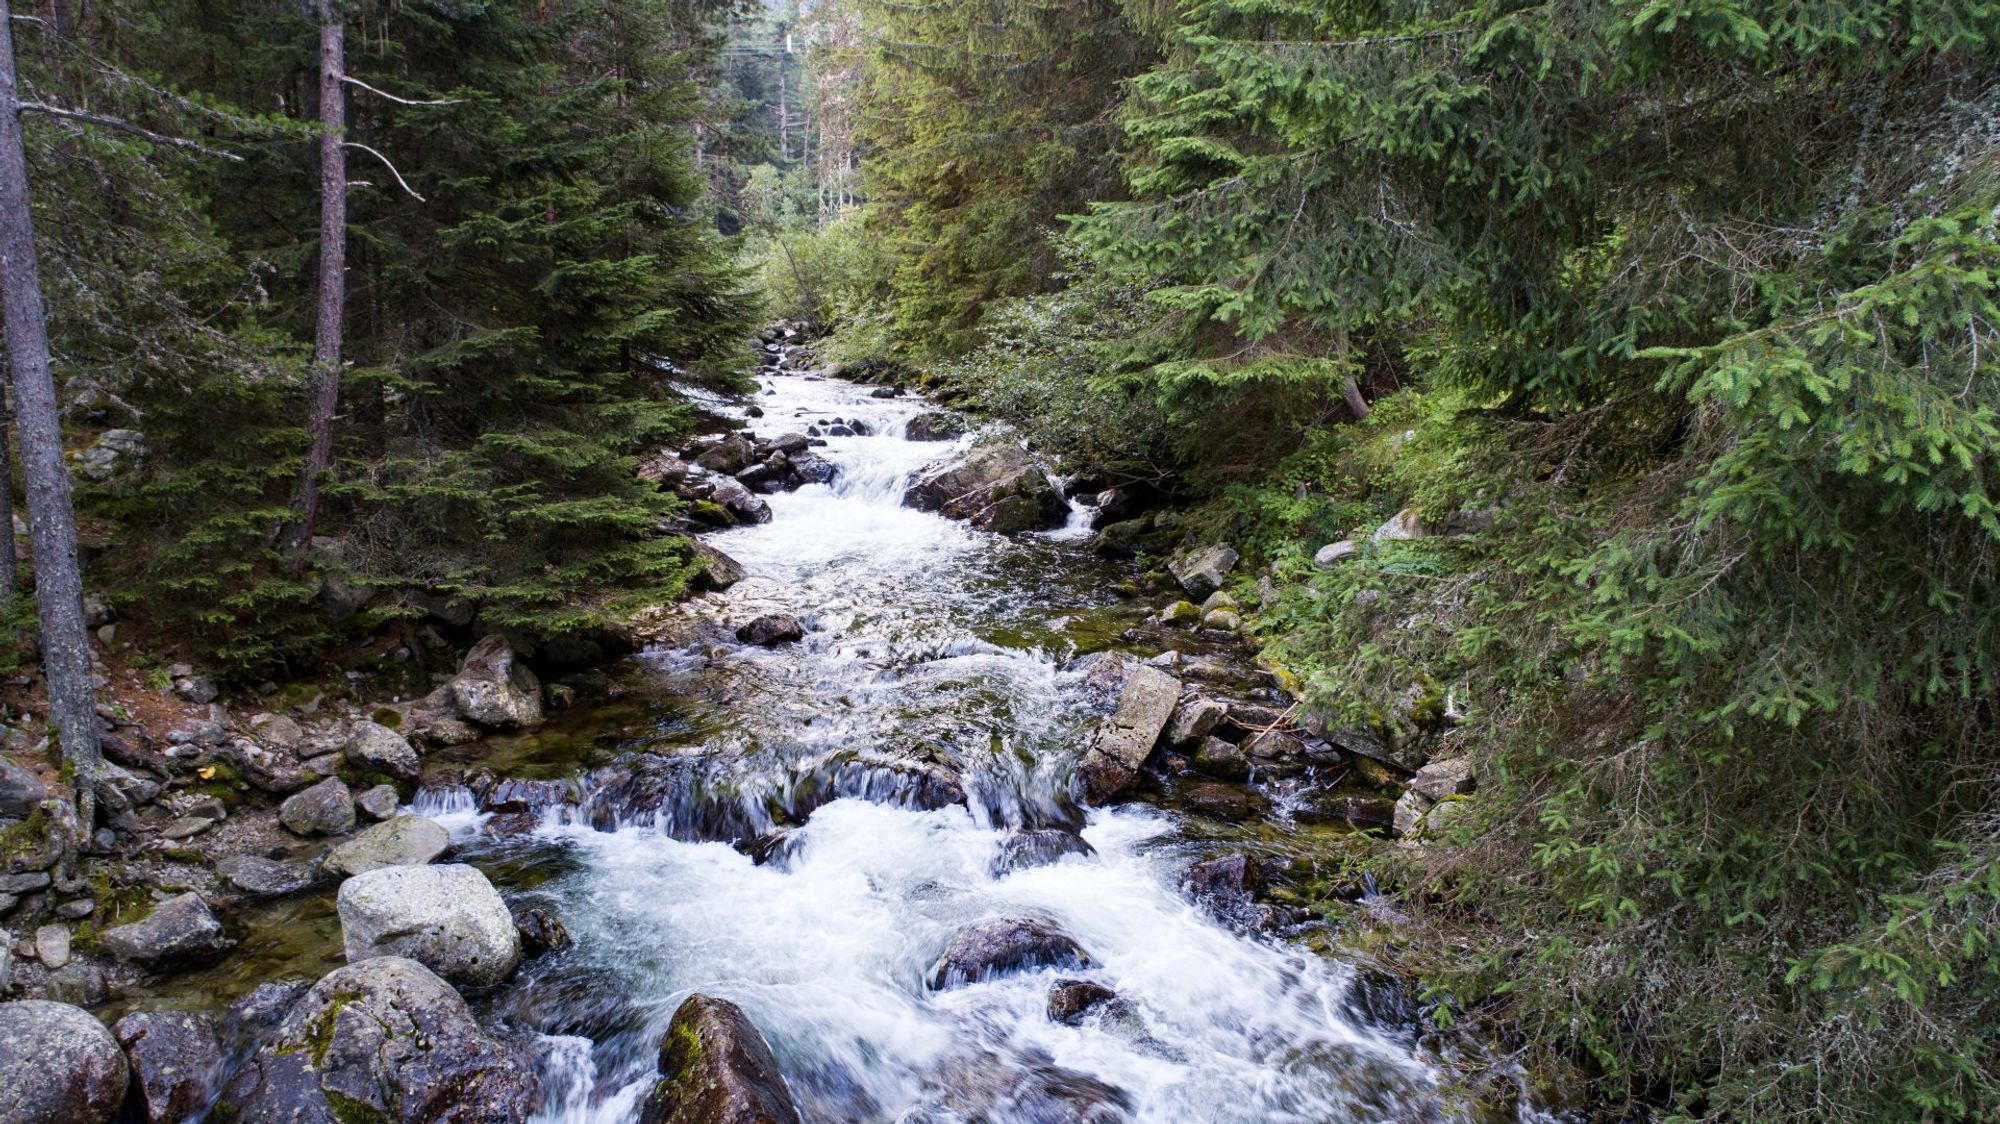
[931, 639]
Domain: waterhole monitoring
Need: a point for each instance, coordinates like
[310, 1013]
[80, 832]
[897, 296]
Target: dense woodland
[1674, 319]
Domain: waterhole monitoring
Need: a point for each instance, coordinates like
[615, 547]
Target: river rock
[383, 1040]
[740, 502]
[326, 808]
[1218, 758]
[810, 468]
[267, 769]
[1195, 719]
[260, 877]
[541, 932]
[771, 630]
[1440, 779]
[178, 931]
[998, 487]
[1235, 875]
[379, 803]
[402, 841]
[449, 918]
[52, 946]
[376, 748]
[20, 789]
[176, 1061]
[1201, 571]
[714, 570]
[716, 1069]
[58, 1065]
[934, 425]
[1002, 945]
[1070, 1000]
[1025, 849]
[1125, 739]
[728, 456]
[495, 689]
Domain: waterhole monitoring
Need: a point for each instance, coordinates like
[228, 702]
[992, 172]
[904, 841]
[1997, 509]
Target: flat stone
[187, 827]
[1126, 738]
[178, 931]
[408, 840]
[266, 878]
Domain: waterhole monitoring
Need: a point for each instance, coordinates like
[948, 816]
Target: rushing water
[925, 638]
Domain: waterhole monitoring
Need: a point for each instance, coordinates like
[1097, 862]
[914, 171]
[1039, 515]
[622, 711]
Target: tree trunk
[332, 268]
[51, 518]
[10, 578]
[1355, 402]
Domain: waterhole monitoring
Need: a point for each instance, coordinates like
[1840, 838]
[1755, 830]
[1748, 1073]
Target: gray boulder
[997, 487]
[1003, 945]
[1196, 719]
[178, 931]
[326, 808]
[1125, 739]
[20, 789]
[740, 501]
[1025, 849]
[379, 802]
[377, 748]
[495, 689]
[1070, 1000]
[269, 769]
[1201, 571]
[58, 1065]
[449, 918]
[382, 1040]
[1218, 758]
[934, 425]
[401, 841]
[1407, 524]
[714, 570]
[1440, 779]
[716, 1069]
[176, 1059]
[771, 630]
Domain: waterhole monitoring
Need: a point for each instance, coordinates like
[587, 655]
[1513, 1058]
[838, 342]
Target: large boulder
[382, 1040]
[771, 630]
[714, 570]
[495, 689]
[176, 1059]
[449, 918]
[401, 841]
[716, 1069]
[1002, 945]
[740, 502]
[997, 487]
[934, 425]
[58, 1065]
[1202, 570]
[326, 808]
[1125, 739]
[378, 749]
[180, 930]
[20, 789]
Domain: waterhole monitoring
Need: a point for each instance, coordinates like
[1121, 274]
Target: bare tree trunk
[332, 267]
[51, 517]
[1355, 402]
[10, 578]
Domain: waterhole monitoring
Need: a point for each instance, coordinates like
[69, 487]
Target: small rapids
[816, 894]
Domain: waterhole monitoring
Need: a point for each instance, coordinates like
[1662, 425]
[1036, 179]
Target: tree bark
[1351, 391]
[332, 268]
[51, 516]
[10, 578]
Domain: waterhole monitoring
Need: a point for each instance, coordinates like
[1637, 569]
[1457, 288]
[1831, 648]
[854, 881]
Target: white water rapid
[921, 633]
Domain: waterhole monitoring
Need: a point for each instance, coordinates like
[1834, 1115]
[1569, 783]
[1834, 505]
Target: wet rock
[20, 789]
[1363, 742]
[79, 983]
[1221, 800]
[1355, 808]
[1003, 945]
[407, 840]
[810, 468]
[934, 425]
[1070, 1000]
[1195, 719]
[1025, 849]
[1202, 571]
[998, 487]
[1440, 779]
[716, 1069]
[1218, 758]
[180, 930]
[740, 502]
[176, 1062]
[1274, 745]
[449, 918]
[728, 456]
[771, 630]
[1222, 621]
[377, 748]
[1334, 553]
[379, 803]
[382, 1040]
[714, 570]
[513, 794]
[257, 1012]
[326, 808]
[260, 877]
[1180, 613]
[58, 1065]
[541, 932]
[1124, 740]
[1235, 875]
[494, 689]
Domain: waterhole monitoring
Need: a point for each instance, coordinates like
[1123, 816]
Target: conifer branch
[127, 127]
[400, 181]
[353, 81]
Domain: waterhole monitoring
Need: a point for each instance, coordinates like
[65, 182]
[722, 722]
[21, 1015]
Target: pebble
[52, 946]
[76, 910]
